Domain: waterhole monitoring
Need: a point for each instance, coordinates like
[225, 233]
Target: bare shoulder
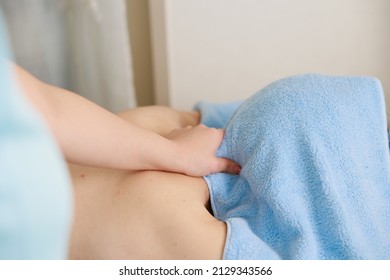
[160, 119]
[143, 215]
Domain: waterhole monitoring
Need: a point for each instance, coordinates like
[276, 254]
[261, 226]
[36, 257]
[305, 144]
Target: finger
[228, 166]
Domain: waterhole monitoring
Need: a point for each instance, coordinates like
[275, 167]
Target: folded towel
[216, 114]
[315, 179]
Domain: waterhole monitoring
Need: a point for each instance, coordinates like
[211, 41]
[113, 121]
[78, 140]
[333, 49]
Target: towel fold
[315, 179]
[216, 115]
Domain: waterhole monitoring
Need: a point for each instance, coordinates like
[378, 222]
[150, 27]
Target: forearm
[103, 139]
[93, 136]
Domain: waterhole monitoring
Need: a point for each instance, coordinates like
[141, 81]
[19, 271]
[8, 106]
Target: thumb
[228, 166]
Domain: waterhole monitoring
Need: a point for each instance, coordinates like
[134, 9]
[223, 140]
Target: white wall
[223, 50]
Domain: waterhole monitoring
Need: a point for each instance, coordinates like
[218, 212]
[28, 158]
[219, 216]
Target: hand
[197, 148]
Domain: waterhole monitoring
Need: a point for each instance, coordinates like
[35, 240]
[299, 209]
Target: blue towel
[315, 179]
[216, 114]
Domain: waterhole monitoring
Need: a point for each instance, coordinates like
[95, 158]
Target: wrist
[174, 160]
[168, 156]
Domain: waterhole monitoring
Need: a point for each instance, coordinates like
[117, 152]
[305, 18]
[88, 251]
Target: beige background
[223, 50]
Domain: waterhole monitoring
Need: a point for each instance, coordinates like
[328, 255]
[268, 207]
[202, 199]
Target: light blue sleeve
[35, 188]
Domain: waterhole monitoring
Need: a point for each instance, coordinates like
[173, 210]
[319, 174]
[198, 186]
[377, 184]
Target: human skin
[144, 214]
[90, 135]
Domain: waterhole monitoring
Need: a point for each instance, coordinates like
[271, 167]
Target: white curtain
[80, 45]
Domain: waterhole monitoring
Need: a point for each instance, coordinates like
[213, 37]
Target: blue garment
[315, 178]
[35, 188]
